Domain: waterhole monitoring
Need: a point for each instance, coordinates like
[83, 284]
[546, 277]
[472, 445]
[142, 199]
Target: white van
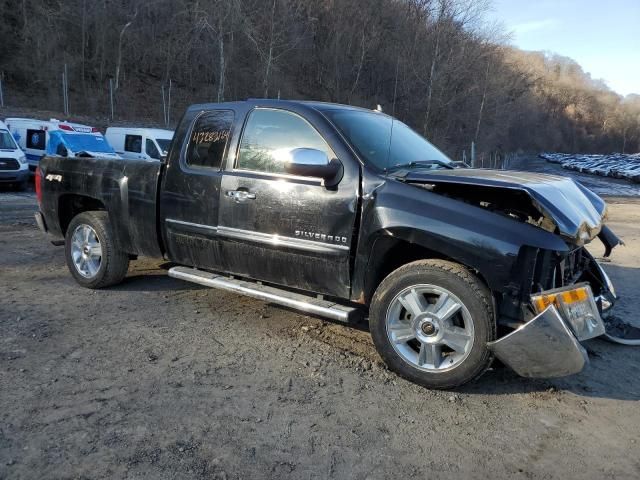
[75, 139]
[13, 162]
[140, 143]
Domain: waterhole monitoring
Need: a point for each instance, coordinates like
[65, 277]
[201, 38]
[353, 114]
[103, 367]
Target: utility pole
[169, 105]
[473, 154]
[164, 106]
[111, 96]
[65, 91]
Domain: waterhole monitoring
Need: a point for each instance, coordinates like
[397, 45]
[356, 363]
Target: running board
[297, 301]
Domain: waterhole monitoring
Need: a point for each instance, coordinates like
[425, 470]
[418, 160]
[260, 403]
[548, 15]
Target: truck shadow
[154, 282]
[613, 371]
[614, 378]
[150, 275]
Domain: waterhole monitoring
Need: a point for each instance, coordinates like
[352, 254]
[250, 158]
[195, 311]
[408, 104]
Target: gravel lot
[161, 379]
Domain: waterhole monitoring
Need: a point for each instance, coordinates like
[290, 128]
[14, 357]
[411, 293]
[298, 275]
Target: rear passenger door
[285, 229]
[191, 191]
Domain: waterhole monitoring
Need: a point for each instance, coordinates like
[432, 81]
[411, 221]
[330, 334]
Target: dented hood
[577, 212]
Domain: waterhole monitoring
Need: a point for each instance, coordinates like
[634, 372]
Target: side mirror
[310, 162]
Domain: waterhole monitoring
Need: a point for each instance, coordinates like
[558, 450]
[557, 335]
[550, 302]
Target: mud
[161, 379]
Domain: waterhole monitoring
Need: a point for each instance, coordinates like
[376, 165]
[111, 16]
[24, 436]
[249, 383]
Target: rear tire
[431, 320]
[92, 253]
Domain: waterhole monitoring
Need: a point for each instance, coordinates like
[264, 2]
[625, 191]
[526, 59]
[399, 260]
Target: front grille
[572, 267]
[554, 271]
[9, 164]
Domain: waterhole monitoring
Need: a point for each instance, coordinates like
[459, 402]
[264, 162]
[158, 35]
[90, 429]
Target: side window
[36, 139]
[209, 138]
[151, 150]
[270, 135]
[133, 143]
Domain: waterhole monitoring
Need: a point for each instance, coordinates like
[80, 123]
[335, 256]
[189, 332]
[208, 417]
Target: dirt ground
[161, 379]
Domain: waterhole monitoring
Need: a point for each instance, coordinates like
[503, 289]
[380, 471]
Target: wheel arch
[71, 204]
[392, 249]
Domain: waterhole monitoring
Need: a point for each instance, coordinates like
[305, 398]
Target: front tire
[431, 320]
[92, 253]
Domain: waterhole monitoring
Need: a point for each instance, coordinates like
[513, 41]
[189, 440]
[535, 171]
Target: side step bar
[297, 301]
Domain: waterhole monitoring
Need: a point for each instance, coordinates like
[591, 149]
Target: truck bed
[127, 189]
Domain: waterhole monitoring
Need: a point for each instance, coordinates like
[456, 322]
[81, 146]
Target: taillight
[38, 181]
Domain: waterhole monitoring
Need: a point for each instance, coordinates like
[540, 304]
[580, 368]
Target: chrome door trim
[278, 240]
[206, 230]
[259, 237]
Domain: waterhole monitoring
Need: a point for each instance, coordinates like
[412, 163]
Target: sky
[603, 36]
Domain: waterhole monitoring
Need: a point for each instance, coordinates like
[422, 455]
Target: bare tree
[120, 37]
[438, 65]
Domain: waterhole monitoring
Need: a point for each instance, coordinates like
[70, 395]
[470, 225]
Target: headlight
[22, 159]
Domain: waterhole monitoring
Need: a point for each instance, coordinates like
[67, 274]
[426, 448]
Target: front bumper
[548, 345]
[544, 347]
[14, 176]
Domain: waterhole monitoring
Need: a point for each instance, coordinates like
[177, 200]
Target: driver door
[284, 229]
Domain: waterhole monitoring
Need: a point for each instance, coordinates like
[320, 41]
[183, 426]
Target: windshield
[80, 142]
[163, 143]
[6, 141]
[384, 142]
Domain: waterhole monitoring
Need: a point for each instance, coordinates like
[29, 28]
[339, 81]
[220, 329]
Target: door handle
[240, 196]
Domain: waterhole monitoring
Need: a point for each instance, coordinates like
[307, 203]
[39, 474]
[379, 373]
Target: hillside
[436, 64]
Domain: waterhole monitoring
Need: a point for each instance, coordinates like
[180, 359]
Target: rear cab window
[209, 138]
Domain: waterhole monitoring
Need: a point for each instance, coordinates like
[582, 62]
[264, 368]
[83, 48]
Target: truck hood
[575, 211]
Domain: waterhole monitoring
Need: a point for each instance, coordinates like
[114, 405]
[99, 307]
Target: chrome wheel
[430, 328]
[86, 251]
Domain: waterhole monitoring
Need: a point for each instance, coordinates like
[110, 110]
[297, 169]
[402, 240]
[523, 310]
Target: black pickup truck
[337, 211]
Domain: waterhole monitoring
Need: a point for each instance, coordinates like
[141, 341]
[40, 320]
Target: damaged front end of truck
[554, 298]
[556, 301]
